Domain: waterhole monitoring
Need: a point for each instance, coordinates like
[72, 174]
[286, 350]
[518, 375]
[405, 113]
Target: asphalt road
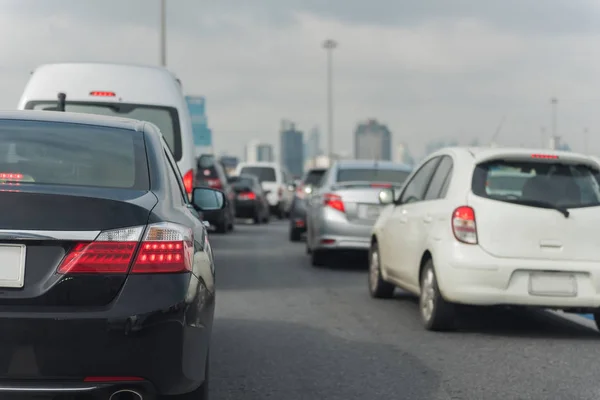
[287, 330]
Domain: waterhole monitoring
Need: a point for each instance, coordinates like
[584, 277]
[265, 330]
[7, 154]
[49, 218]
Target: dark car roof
[73, 118]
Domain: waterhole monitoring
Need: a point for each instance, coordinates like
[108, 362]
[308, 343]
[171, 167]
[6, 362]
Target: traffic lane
[285, 328]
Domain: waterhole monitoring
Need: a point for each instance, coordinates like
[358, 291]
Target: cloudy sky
[430, 69]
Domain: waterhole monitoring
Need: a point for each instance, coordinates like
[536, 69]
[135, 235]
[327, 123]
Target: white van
[141, 92]
[274, 180]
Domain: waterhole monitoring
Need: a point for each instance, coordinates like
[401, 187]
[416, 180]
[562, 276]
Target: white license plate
[552, 284]
[12, 265]
[368, 212]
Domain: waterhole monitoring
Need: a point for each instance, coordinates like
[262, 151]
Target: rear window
[538, 183]
[56, 153]
[372, 175]
[243, 183]
[314, 177]
[264, 174]
[206, 167]
[165, 118]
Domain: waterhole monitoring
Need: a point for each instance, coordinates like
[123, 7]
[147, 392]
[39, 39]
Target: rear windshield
[264, 174]
[538, 183]
[372, 175]
[241, 183]
[57, 153]
[314, 177]
[206, 167]
[165, 118]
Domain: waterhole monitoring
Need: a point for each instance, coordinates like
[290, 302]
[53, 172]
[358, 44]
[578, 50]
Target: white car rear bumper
[468, 275]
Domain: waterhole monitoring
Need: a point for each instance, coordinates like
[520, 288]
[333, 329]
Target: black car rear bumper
[154, 337]
[58, 390]
[246, 209]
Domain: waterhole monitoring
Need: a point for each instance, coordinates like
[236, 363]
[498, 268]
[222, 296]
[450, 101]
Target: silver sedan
[341, 213]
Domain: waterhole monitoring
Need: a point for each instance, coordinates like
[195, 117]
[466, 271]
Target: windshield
[165, 118]
[314, 177]
[264, 174]
[72, 154]
[372, 175]
[554, 184]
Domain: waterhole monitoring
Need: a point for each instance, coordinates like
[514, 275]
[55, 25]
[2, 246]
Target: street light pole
[163, 33]
[554, 102]
[329, 45]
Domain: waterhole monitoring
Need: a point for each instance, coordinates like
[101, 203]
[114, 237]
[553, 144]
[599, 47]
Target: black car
[250, 199]
[107, 278]
[211, 173]
[310, 181]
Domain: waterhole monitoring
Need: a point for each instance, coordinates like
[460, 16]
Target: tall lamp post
[555, 138]
[163, 33]
[329, 45]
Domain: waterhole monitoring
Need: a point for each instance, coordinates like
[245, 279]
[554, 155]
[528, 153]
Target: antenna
[61, 102]
[498, 129]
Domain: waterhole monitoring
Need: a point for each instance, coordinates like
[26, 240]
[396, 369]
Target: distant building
[264, 152]
[372, 141]
[313, 144]
[292, 148]
[256, 151]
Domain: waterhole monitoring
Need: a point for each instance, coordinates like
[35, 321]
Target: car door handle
[427, 219]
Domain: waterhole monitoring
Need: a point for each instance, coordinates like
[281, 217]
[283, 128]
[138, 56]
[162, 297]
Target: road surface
[286, 330]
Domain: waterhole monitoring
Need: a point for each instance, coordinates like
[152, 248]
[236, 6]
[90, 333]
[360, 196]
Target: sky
[429, 69]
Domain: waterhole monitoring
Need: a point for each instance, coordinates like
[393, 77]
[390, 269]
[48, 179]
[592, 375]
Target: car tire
[266, 219]
[318, 258]
[378, 287]
[437, 313]
[256, 219]
[201, 393]
[222, 227]
[295, 234]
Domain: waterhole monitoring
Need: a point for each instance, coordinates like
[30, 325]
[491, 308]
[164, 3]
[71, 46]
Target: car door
[401, 230]
[427, 215]
[314, 202]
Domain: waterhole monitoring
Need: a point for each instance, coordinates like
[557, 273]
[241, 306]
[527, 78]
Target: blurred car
[457, 234]
[212, 174]
[274, 180]
[102, 259]
[141, 92]
[250, 199]
[304, 188]
[342, 211]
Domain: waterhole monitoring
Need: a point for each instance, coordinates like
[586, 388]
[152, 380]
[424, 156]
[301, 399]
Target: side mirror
[386, 196]
[206, 199]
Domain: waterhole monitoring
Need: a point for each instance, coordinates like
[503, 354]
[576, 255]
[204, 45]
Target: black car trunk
[47, 222]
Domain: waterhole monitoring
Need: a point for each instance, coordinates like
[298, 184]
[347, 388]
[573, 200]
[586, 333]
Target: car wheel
[378, 288]
[437, 314]
[295, 235]
[266, 219]
[318, 258]
[222, 227]
[201, 393]
[256, 219]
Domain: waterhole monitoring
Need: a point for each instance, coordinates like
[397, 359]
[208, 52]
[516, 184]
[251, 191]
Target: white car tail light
[165, 248]
[464, 226]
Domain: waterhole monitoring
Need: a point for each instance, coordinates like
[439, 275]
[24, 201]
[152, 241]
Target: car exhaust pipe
[126, 394]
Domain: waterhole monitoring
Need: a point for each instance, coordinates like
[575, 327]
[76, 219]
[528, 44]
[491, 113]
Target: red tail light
[188, 181]
[214, 183]
[165, 248]
[102, 93]
[545, 156]
[280, 192]
[334, 201]
[381, 185]
[464, 226]
[247, 196]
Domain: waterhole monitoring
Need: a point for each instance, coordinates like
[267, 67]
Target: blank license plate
[12, 266]
[548, 284]
[368, 212]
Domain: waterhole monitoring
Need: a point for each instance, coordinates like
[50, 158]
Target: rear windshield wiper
[541, 204]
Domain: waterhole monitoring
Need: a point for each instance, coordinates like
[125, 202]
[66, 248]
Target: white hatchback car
[483, 226]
